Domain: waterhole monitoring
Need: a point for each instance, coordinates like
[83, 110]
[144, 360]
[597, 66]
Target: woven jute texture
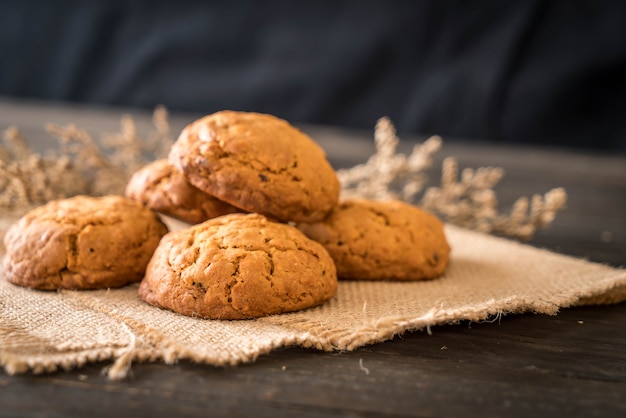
[487, 277]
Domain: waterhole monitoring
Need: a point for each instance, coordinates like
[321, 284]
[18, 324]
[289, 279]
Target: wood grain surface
[571, 364]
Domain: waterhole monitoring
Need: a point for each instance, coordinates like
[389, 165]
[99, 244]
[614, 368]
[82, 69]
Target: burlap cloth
[487, 277]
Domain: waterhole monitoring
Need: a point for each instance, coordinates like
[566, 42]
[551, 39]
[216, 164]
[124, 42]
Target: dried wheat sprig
[80, 145]
[466, 198]
[160, 140]
[387, 174]
[80, 167]
[470, 201]
[35, 181]
[14, 193]
[126, 146]
[131, 151]
[15, 147]
[523, 220]
[102, 175]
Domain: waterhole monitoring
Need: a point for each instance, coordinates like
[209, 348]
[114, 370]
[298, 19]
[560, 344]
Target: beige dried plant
[158, 142]
[81, 165]
[85, 166]
[468, 201]
[472, 203]
[388, 174]
[28, 179]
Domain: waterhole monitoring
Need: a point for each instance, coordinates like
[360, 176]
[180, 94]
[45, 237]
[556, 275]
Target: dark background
[544, 72]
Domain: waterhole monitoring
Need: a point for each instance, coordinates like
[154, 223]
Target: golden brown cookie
[238, 266]
[82, 243]
[259, 163]
[382, 240]
[163, 188]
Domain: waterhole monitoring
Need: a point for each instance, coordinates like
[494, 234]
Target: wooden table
[571, 364]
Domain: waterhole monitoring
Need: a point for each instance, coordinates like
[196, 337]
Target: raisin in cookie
[382, 240]
[163, 188]
[259, 163]
[82, 243]
[238, 266]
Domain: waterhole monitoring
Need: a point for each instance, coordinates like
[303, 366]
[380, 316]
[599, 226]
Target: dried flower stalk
[472, 203]
[81, 166]
[522, 222]
[387, 174]
[28, 179]
[84, 167]
[160, 140]
[468, 201]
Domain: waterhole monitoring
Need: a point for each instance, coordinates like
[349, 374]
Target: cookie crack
[257, 165]
[235, 280]
[176, 267]
[270, 274]
[385, 217]
[165, 192]
[71, 255]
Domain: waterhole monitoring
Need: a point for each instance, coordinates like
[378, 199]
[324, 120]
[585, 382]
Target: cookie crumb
[606, 236]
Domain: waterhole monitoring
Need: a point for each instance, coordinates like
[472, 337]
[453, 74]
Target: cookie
[382, 240]
[258, 163]
[82, 243]
[238, 266]
[163, 188]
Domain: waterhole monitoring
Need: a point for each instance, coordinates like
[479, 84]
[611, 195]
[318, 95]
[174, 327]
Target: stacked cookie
[267, 233]
[263, 166]
[382, 240]
[248, 264]
[163, 188]
[82, 243]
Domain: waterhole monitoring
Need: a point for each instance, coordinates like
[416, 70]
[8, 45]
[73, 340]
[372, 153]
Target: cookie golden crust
[238, 266]
[259, 163]
[82, 243]
[382, 240]
[163, 188]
